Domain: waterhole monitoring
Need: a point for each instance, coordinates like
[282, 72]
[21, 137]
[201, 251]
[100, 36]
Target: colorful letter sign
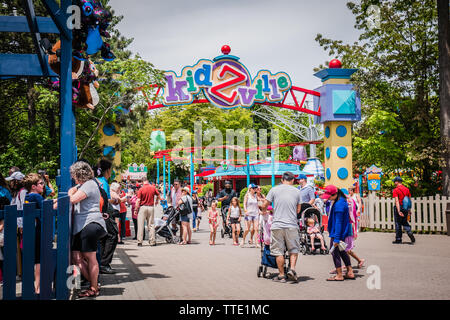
[226, 83]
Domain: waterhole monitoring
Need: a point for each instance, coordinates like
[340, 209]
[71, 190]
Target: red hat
[329, 191]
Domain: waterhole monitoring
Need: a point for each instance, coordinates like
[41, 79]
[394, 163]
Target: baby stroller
[308, 211]
[268, 260]
[164, 227]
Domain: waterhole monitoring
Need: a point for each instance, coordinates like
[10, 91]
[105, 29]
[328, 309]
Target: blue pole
[157, 171]
[168, 175]
[164, 175]
[192, 171]
[272, 156]
[248, 169]
[360, 186]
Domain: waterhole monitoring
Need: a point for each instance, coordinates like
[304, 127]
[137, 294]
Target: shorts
[184, 218]
[234, 220]
[87, 239]
[251, 218]
[282, 238]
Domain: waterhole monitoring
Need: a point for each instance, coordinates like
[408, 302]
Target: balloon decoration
[86, 42]
[299, 153]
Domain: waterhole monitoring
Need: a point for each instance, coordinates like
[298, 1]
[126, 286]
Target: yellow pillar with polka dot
[109, 141]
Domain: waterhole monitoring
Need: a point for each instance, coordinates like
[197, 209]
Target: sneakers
[411, 236]
[106, 270]
[292, 275]
[397, 242]
[139, 244]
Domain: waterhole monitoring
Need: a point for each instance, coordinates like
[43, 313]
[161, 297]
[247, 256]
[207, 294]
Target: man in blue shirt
[306, 191]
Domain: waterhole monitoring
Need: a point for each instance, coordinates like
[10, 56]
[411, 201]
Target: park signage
[226, 83]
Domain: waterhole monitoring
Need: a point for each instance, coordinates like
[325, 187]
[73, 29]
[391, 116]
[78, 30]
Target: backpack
[407, 204]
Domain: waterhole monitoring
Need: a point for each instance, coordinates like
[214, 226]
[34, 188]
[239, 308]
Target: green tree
[398, 81]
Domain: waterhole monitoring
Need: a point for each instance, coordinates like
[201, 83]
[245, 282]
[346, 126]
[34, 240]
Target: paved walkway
[200, 271]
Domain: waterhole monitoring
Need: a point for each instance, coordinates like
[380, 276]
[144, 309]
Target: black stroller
[166, 230]
[308, 211]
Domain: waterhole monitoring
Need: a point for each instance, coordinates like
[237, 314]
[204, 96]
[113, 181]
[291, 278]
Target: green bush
[206, 188]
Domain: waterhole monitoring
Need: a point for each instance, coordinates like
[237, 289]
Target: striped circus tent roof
[315, 167]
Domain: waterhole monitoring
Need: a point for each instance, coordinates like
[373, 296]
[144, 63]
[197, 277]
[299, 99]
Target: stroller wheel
[169, 240]
[175, 239]
[265, 272]
[259, 271]
[303, 250]
[222, 233]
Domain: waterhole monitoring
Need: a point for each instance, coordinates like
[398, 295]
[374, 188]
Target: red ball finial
[335, 64]
[226, 49]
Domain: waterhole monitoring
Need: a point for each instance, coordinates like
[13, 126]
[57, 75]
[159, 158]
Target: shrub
[206, 188]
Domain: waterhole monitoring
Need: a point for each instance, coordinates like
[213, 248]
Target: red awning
[205, 173]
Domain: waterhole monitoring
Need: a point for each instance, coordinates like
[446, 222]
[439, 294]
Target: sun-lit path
[200, 271]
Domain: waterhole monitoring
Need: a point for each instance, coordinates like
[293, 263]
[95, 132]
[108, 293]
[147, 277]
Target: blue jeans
[401, 222]
[194, 218]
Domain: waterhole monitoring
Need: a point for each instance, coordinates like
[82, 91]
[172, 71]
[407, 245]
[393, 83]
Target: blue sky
[274, 35]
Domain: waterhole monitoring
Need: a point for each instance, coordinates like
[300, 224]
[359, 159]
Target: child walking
[213, 213]
[234, 218]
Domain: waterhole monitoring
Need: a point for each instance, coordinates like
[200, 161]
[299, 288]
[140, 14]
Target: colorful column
[109, 140]
[340, 107]
[248, 168]
[192, 171]
[157, 170]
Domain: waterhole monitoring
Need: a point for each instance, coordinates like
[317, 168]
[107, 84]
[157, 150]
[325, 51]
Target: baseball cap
[195, 191]
[302, 176]
[186, 189]
[397, 179]
[329, 191]
[16, 176]
[228, 182]
[252, 185]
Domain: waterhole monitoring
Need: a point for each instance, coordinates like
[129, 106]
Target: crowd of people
[100, 210]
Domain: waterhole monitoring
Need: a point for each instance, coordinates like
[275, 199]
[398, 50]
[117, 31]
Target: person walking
[195, 206]
[88, 224]
[251, 212]
[306, 190]
[175, 196]
[286, 201]
[145, 206]
[400, 214]
[339, 228]
[213, 215]
[115, 202]
[261, 197]
[234, 219]
[131, 199]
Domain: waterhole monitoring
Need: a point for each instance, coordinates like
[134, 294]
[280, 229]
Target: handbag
[184, 208]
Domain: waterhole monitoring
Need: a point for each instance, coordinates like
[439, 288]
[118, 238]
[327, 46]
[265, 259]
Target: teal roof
[260, 169]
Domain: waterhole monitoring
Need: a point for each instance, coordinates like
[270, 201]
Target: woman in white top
[251, 211]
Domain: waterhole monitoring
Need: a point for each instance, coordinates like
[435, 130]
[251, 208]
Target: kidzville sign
[226, 83]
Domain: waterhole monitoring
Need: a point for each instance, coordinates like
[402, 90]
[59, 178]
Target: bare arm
[76, 195]
[397, 205]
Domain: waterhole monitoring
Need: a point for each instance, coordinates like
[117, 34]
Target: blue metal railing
[54, 262]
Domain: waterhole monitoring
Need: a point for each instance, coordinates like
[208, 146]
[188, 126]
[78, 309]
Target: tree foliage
[397, 58]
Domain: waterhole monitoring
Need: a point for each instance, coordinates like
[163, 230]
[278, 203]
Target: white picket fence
[427, 213]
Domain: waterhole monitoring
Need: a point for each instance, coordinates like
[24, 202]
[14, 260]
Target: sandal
[334, 279]
[91, 292]
[361, 264]
[182, 243]
[279, 279]
[346, 277]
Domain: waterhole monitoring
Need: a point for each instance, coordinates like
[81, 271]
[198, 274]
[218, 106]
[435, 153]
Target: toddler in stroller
[267, 260]
[163, 226]
[311, 231]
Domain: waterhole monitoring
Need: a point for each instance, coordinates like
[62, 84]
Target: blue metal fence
[54, 262]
